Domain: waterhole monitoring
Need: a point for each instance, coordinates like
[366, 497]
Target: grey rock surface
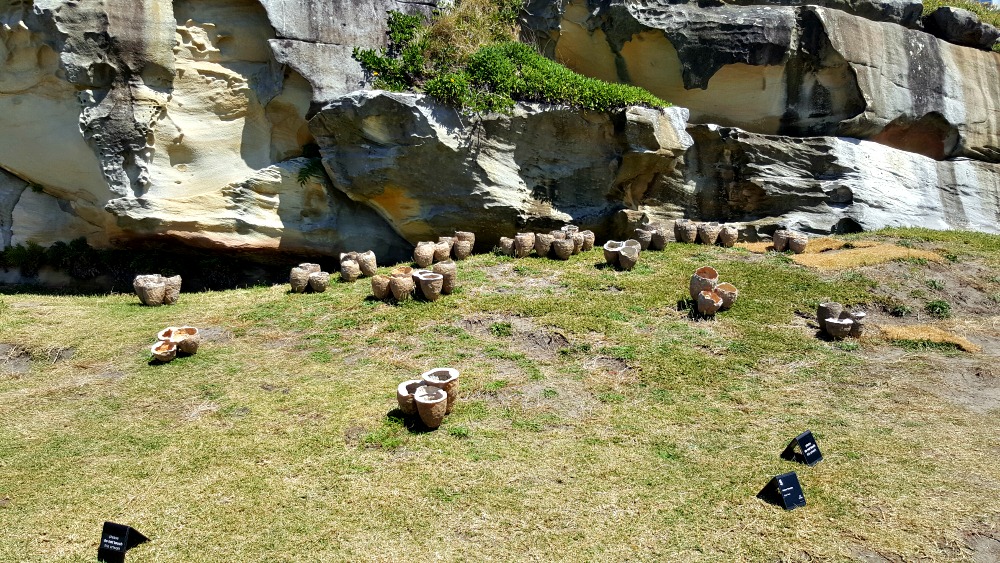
[428, 171]
[961, 27]
[826, 184]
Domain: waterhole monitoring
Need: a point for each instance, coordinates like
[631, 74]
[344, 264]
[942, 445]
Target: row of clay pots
[172, 339]
[560, 244]
[622, 254]
[783, 239]
[709, 233]
[458, 247]
[307, 276]
[403, 282]
[354, 265]
[710, 295]
[838, 323]
[155, 290]
[650, 237]
[431, 397]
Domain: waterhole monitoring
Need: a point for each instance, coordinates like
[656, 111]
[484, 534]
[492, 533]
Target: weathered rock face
[825, 184]
[142, 118]
[801, 70]
[192, 121]
[427, 172]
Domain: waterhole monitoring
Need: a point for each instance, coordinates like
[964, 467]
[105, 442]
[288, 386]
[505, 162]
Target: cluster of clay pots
[404, 282]
[783, 239]
[354, 265]
[709, 294]
[431, 397]
[560, 244]
[651, 237]
[458, 247]
[155, 290]
[173, 340]
[837, 323]
[710, 233]
[622, 254]
[308, 277]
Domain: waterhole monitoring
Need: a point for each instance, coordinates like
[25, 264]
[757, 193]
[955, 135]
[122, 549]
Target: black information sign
[803, 449]
[784, 491]
[116, 539]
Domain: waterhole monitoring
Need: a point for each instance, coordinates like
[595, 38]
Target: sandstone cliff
[191, 120]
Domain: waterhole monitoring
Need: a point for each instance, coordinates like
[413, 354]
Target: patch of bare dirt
[966, 286]
[14, 358]
[985, 547]
[215, 334]
[536, 342]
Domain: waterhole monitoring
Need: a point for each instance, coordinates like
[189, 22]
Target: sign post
[784, 491]
[803, 449]
[116, 539]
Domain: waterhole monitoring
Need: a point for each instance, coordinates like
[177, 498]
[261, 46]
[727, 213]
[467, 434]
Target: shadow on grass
[411, 422]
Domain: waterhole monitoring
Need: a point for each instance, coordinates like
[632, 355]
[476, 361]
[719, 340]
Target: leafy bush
[466, 58]
[986, 12]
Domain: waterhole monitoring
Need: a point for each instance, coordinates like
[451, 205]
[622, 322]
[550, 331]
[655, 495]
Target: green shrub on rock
[492, 77]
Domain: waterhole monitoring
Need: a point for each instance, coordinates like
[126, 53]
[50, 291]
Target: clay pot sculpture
[570, 230]
[310, 267]
[319, 281]
[588, 240]
[445, 379]
[827, 310]
[401, 271]
[368, 264]
[449, 271]
[563, 248]
[415, 274]
[466, 236]
[728, 235]
[404, 396]
[838, 328]
[423, 254]
[164, 350]
[633, 242]
[797, 242]
[708, 233]
[298, 279]
[780, 240]
[151, 289]
[430, 285]
[709, 303]
[442, 250]
[858, 328]
[506, 246]
[432, 405]
[186, 338]
[401, 287]
[349, 270]
[628, 256]
[558, 235]
[703, 279]
[657, 239]
[524, 243]
[685, 230]
[728, 293]
[543, 244]
[172, 290]
[449, 240]
[645, 237]
[611, 250]
[380, 286]
[578, 241]
[462, 249]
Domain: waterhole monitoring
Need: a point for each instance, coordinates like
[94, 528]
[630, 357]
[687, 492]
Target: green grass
[643, 436]
[986, 12]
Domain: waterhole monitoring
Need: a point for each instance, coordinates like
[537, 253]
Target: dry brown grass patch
[867, 256]
[815, 246]
[926, 333]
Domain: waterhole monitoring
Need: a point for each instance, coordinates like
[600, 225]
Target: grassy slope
[276, 445]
